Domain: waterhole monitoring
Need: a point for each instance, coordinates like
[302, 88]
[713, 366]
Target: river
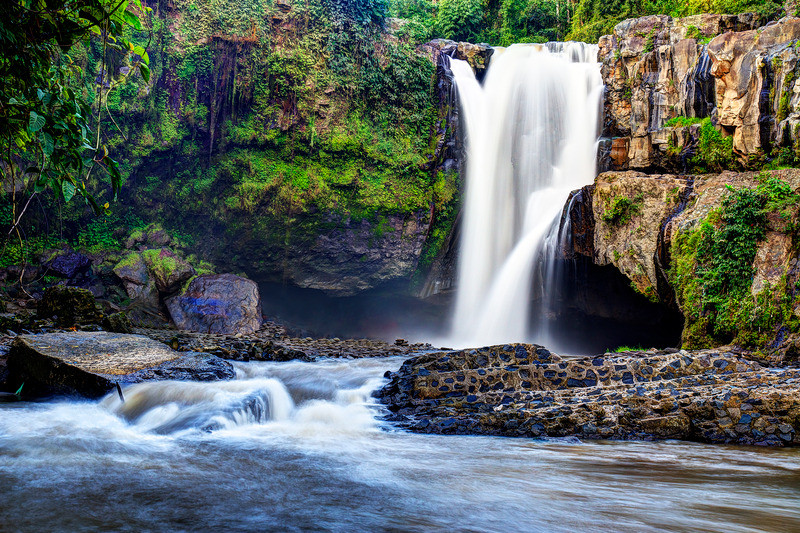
[300, 447]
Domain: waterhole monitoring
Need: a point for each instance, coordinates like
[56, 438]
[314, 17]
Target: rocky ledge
[522, 390]
[91, 364]
[272, 343]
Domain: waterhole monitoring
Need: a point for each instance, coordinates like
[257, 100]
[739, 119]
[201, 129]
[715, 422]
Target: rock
[220, 303]
[746, 65]
[71, 306]
[655, 68]
[477, 55]
[524, 390]
[92, 363]
[167, 269]
[351, 256]
[629, 210]
[118, 323]
[141, 289]
[133, 269]
[68, 264]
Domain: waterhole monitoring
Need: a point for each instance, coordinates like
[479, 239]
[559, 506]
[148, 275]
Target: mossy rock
[118, 323]
[71, 306]
[168, 270]
[132, 268]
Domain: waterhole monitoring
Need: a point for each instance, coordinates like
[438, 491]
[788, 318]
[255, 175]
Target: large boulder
[141, 289]
[217, 303]
[68, 264]
[92, 363]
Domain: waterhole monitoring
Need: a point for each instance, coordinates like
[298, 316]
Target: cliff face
[303, 142]
[694, 108]
[721, 67]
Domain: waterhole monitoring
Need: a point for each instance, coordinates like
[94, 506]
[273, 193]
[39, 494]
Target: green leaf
[67, 190]
[132, 20]
[144, 70]
[40, 93]
[36, 122]
[48, 145]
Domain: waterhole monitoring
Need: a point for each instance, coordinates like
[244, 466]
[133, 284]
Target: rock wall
[639, 221]
[722, 67]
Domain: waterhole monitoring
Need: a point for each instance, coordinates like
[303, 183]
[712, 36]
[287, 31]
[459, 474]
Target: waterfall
[531, 139]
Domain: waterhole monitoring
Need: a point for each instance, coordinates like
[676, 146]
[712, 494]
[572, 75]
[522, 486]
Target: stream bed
[300, 447]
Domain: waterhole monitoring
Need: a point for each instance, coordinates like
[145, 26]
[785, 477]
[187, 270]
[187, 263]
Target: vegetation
[622, 209]
[714, 150]
[712, 269]
[503, 22]
[681, 122]
[51, 139]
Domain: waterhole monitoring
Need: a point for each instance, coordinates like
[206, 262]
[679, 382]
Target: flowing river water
[300, 447]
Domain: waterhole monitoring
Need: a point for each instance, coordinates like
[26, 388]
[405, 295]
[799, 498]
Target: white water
[298, 447]
[531, 139]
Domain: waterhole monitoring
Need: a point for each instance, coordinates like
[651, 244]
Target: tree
[49, 135]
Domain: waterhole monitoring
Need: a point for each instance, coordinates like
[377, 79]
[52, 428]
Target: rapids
[301, 447]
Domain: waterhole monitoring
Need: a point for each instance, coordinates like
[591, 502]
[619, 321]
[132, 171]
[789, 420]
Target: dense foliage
[503, 22]
[713, 269]
[47, 133]
[260, 115]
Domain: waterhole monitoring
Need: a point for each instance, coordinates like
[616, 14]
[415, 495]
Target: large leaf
[132, 19]
[144, 70]
[67, 190]
[36, 122]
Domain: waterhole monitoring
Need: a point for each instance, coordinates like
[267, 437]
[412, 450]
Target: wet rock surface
[715, 396]
[92, 363]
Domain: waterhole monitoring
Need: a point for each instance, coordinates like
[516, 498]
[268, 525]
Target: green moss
[160, 262]
[129, 260]
[786, 96]
[622, 209]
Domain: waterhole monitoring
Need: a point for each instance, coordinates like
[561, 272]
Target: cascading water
[531, 139]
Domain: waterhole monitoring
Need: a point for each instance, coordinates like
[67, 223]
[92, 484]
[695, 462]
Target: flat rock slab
[91, 363]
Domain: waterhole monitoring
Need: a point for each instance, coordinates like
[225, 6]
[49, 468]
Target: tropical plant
[50, 136]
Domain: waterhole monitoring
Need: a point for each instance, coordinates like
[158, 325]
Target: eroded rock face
[91, 363]
[636, 220]
[656, 68]
[221, 303]
[747, 67]
[524, 390]
[629, 210]
[355, 255]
